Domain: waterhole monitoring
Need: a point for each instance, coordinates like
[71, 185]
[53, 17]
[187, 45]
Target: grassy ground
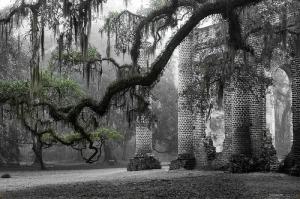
[162, 185]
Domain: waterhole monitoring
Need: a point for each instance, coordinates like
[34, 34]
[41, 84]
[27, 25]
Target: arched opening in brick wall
[278, 112]
[215, 128]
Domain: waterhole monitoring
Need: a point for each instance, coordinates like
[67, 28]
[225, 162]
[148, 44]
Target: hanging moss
[140, 32]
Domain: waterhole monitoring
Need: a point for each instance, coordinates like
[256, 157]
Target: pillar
[295, 151]
[143, 139]
[144, 158]
[292, 161]
[185, 113]
[258, 116]
[240, 118]
[186, 157]
[199, 136]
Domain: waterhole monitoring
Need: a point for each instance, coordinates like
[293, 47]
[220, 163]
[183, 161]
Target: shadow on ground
[162, 184]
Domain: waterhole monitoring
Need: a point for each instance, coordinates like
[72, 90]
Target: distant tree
[35, 117]
[282, 95]
[12, 55]
[165, 111]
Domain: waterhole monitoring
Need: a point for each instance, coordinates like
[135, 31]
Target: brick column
[143, 131]
[185, 114]
[240, 118]
[257, 116]
[143, 139]
[257, 99]
[295, 151]
[292, 161]
[144, 158]
[186, 157]
[247, 117]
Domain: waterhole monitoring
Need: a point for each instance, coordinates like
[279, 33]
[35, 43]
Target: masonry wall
[244, 96]
[244, 102]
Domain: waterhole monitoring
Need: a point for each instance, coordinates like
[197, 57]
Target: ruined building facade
[244, 107]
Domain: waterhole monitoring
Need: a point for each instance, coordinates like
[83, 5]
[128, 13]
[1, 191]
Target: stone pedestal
[185, 161]
[146, 162]
[144, 158]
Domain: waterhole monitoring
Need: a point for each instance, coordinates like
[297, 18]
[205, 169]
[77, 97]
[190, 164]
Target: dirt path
[28, 179]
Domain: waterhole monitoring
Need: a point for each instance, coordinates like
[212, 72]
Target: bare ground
[118, 183]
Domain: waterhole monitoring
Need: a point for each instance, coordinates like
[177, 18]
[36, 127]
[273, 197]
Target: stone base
[295, 171]
[147, 162]
[221, 162]
[289, 166]
[186, 161]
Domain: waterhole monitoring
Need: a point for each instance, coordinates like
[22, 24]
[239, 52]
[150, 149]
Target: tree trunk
[37, 148]
[13, 147]
[282, 135]
[108, 152]
[124, 153]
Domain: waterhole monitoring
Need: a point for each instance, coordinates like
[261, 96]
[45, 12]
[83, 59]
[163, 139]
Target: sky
[133, 4]
[5, 3]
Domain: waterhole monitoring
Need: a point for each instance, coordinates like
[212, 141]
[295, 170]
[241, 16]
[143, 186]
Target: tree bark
[37, 148]
[124, 153]
[282, 134]
[108, 152]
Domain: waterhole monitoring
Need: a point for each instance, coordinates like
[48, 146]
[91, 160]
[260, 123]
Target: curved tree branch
[148, 79]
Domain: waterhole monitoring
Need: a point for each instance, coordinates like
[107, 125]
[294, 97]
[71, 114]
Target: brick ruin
[143, 159]
[244, 109]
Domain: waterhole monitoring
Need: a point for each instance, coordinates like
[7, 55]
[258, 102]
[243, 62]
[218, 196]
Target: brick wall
[296, 107]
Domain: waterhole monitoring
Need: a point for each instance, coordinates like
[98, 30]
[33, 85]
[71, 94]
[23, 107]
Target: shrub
[240, 163]
[209, 148]
[267, 161]
[6, 176]
[295, 170]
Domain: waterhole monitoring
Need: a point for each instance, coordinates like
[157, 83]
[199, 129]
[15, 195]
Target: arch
[287, 69]
[278, 111]
[215, 128]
